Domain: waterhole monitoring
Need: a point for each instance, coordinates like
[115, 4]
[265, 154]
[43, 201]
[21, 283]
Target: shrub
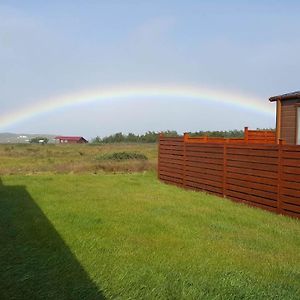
[119, 156]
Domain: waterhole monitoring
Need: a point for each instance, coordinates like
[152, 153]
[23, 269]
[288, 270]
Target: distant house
[288, 117]
[71, 140]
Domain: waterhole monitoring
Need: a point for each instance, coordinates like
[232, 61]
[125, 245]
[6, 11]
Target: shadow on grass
[35, 263]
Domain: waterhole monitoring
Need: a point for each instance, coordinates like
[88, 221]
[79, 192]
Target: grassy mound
[121, 156]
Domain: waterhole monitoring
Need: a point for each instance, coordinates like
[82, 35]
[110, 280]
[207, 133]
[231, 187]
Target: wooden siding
[261, 175]
[288, 122]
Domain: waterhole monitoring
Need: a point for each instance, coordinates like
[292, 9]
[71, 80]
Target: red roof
[70, 138]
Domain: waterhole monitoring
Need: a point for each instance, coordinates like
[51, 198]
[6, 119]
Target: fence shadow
[35, 263]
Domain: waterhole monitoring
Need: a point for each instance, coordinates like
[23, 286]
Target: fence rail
[265, 175]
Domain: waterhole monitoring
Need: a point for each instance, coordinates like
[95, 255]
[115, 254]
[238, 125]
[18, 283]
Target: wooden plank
[253, 147]
[171, 174]
[291, 162]
[291, 170]
[252, 165]
[291, 177]
[204, 148]
[254, 204]
[291, 207]
[253, 152]
[293, 148]
[203, 187]
[190, 153]
[290, 214]
[171, 152]
[171, 165]
[260, 174]
[204, 170]
[172, 147]
[171, 171]
[252, 198]
[250, 191]
[291, 154]
[204, 181]
[171, 179]
[170, 156]
[253, 185]
[256, 159]
[213, 178]
[204, 165]
[252, 178]
[213, 161]
[291, 185]
[291, 192]
[172, 144]
[290, 199]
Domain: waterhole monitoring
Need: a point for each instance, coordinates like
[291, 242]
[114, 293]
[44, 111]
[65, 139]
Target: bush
[39, 140]
[119, 156]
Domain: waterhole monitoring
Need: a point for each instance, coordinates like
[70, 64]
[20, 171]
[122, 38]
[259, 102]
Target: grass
[65, 159]
[128, 236]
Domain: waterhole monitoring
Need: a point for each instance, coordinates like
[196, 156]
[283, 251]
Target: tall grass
[37, 159]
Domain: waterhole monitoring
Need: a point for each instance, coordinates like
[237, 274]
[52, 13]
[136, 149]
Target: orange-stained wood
[264, 175]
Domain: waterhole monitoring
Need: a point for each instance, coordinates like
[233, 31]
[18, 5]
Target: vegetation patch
[121, 156]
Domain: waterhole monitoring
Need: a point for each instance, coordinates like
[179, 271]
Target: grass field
[58, 159]
[97, 235]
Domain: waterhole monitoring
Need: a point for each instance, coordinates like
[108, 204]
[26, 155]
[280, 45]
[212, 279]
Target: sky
[59, 51]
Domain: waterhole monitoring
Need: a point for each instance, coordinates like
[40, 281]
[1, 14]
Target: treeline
[148, 137]
[152, 136]
[226, 134]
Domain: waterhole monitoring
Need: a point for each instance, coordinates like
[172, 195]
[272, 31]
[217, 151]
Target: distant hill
[21, 138]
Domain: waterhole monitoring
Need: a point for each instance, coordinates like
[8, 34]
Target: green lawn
[128, 236]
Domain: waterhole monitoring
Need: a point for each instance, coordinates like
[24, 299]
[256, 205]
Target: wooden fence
[265, 175]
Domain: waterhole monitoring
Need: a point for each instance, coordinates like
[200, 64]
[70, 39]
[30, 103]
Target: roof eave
[284, 97]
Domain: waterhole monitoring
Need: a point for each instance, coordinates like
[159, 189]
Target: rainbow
[127, 92]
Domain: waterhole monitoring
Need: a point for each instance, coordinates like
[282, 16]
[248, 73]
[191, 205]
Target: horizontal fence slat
[252, 198]
[204, 170]
[256, 159]
[252, 165]
[200, 164]
[291, 207]
[253, 152]
[291, 170]
[252, 178]
[255, 204]
[203, 180]
[204, 154]
[203, 187]
[256, 186]
[252, 192]
[260, 174]
[290, 199]
[214, 161]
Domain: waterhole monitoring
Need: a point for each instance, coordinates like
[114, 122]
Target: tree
[39, 140]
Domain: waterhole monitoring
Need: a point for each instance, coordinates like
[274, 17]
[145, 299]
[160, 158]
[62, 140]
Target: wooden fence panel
[265, 175]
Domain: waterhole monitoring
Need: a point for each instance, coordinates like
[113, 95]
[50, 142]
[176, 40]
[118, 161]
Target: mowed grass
[128, 236]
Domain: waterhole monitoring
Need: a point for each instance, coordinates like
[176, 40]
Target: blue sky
[52, 48]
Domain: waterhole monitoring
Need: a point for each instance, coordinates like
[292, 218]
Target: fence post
[246, 135]
[205, 139]
[225, 168]
[158, 160]
[279, 176]
[185, 139]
